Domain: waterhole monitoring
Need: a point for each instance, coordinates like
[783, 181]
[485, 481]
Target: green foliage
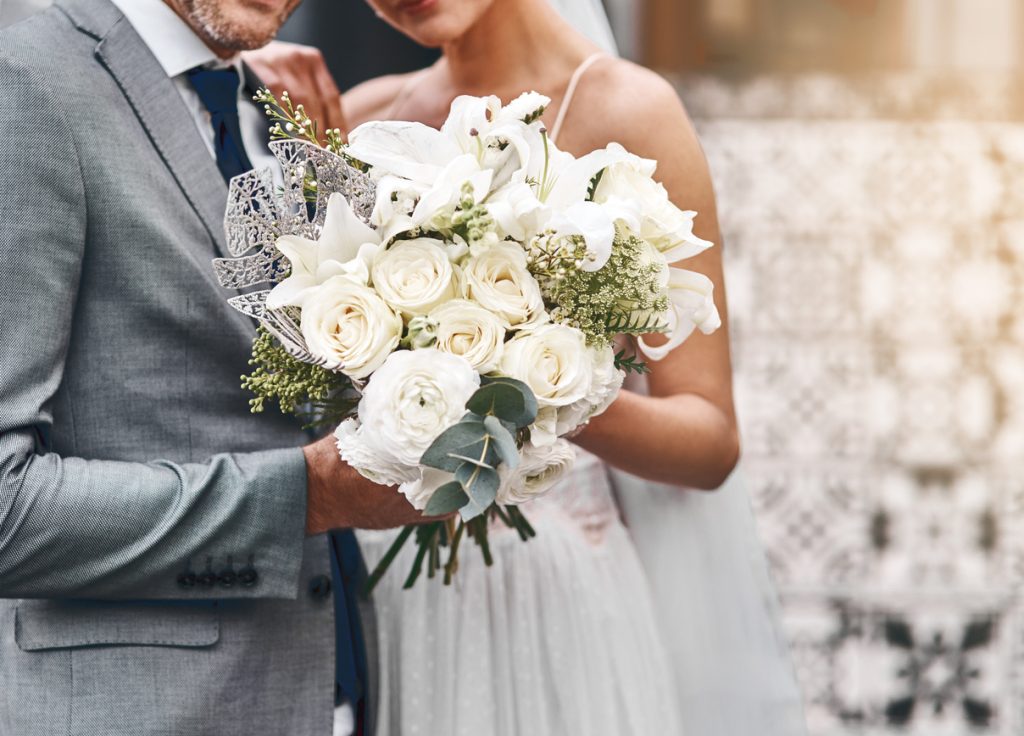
[507, 399]
[447, 499]
[623, 297]
[277, 375]
[474, 448]
[630, 363]
[290, 121]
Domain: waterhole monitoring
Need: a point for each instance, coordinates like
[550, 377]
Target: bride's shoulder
[371, 100]
[627, 103]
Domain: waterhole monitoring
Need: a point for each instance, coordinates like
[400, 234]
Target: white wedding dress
[558, 638]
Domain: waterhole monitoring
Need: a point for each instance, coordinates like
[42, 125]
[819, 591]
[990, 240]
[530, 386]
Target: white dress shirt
[177, 48]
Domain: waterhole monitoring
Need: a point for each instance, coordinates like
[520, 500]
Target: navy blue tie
[218, 90]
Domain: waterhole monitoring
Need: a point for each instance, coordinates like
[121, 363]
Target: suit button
[227, 578]
[320, 587]
[187, 579]
[248, 576]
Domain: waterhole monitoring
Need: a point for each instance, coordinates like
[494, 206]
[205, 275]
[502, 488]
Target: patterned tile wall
[874, 235]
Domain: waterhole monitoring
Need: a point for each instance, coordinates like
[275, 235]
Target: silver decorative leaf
[259, 212]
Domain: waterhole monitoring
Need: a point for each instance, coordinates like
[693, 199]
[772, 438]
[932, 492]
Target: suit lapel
[156, 102]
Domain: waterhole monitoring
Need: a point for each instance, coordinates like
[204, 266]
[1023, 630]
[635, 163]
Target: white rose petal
[538, 472]
[553, 360]
[414, 276]
[349, 327]
[466, 329]
[499, 280]
[605, 385]
[412, 398]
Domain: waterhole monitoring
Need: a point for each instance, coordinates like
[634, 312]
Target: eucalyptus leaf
[507, 399]
[472, 510]
[466, 434]
[481, 484]
[504, 441]
[446, 499]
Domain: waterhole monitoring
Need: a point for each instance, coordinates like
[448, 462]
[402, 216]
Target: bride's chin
[431, 34]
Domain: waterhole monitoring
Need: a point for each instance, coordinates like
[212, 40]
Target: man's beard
[218, 30]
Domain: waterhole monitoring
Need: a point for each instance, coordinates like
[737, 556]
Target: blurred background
[869, 160]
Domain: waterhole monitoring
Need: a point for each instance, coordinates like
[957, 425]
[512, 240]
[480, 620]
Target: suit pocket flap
[42, 625]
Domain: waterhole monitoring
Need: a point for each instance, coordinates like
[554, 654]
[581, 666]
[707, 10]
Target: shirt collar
[174, 44]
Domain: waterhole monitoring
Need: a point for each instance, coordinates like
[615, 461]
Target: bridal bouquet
[450, 299]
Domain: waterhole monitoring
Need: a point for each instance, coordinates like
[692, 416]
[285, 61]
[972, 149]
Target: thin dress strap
[570, 92]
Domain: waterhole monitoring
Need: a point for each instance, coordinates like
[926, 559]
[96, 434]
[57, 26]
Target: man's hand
[339, 497]
[303, 72]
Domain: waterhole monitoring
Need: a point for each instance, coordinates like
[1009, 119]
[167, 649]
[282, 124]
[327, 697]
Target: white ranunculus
[349, 327]
[553, 360]
[466, 329]
[537, 473]
[412, 398]
[629, 184]
[368, 460]
[499, 280]
[346, 247]
[414, 276]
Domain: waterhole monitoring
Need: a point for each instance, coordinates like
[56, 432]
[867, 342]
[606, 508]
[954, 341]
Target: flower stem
[387, 559]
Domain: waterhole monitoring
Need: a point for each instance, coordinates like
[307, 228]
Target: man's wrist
[318, 516]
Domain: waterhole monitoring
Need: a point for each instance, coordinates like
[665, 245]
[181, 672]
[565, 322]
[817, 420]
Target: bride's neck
[515, 40]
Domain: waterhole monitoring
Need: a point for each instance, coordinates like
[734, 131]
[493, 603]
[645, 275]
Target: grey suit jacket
[129, 463]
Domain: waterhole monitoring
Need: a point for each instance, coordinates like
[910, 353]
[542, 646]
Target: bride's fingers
[302, 71]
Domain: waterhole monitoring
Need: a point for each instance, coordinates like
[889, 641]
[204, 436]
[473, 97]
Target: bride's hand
[303, 72]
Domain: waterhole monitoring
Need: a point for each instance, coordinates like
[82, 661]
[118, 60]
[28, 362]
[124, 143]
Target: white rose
[466, 329]
[349, 327]
[368, 460]
[606, 381]
[553, 360]
[538, 471]
[414, 276]
[412, 398]
[629, 185]
[499, 280]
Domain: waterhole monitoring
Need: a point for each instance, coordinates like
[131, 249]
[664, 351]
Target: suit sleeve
[74, 527]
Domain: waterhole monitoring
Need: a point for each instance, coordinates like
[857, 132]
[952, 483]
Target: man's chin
[239, 25]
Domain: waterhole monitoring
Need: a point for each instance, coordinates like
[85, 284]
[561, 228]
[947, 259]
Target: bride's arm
[685, 431]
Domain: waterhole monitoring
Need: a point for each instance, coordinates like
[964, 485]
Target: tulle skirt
[557, 638]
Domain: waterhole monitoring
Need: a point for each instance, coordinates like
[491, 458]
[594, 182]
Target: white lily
[346, 247]
[629, 184]
[692, 306]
